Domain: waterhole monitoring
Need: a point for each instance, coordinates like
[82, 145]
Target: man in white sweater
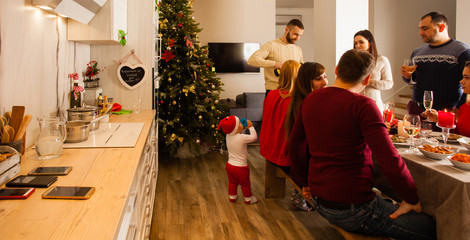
[273, 54]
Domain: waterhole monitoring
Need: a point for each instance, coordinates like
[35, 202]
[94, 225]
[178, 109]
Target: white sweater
[270, 53]
[236, 145]
[381, 79]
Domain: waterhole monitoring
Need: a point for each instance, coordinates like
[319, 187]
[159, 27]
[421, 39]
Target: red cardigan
[272, 139]
[342, 129]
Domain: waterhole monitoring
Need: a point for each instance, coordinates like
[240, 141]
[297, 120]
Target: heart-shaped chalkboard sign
[131, 76]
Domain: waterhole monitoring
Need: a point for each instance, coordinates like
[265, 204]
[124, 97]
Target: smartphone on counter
[31, 181]
[51, 171]
[62, 192]
[15, 193]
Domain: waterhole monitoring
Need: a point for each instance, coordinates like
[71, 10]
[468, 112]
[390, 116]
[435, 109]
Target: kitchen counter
[114, 172]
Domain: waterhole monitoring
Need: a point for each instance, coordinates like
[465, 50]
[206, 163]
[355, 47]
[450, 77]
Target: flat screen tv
[233, 57]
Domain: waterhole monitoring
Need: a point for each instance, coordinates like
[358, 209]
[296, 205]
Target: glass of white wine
[410, 67]
[426, 129]
[427, 100]
[412, 126]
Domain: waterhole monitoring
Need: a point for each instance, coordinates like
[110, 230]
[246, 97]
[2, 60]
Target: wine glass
[410, 67]
[389, 114]
[412, 126]
[427, 100]
[426, 129]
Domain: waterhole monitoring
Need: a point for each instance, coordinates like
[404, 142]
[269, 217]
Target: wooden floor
[192, 203]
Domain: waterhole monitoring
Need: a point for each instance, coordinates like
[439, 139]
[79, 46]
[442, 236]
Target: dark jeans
[372, 218]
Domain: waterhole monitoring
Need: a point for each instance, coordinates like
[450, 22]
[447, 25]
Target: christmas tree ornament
[216, 101]
[169, 79]
[168, 55]
[213, 86]
[168, 48]
[171, 42]
[198, 141]
[200, 117]
[174, 102]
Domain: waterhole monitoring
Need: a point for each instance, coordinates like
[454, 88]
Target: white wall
[462, 20]
[335, 23]
[351, 17]
[306, 41]
[395, 29]
[35, 60]
[236, 21]
[324, 22]
[140, 35]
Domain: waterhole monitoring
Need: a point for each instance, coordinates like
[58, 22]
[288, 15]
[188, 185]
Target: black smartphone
[62, 192]
[32, 181]
[51, 171]
[15, 193]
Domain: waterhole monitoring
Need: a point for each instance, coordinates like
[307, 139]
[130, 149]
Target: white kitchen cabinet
[103, 28]
[137, 220]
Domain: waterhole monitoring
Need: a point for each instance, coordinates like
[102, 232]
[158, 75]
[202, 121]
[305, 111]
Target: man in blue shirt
[440, 63]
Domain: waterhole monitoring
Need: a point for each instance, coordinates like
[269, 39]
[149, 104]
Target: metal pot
[87, 114]
[77, 131]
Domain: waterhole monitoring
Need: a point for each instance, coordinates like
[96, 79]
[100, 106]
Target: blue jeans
[372, 218]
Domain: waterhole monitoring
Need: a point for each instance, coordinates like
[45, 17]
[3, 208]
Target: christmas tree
[188, 98]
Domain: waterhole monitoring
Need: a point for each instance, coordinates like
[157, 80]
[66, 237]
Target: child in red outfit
[237, 168]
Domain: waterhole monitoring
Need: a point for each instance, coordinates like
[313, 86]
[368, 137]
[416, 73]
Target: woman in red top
[272, 135]
[462, 113]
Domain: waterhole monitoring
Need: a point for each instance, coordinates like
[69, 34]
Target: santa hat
[229, 125]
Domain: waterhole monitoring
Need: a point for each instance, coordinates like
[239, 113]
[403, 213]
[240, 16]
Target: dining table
[443, 189]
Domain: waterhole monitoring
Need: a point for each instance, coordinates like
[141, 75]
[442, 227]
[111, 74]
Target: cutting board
[111, 135]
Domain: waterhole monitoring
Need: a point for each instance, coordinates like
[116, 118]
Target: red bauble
[180, 25]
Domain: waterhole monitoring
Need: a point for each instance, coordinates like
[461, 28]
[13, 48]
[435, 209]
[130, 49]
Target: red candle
[446, 119]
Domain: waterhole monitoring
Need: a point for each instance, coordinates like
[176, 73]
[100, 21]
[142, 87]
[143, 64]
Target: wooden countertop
[109, 170]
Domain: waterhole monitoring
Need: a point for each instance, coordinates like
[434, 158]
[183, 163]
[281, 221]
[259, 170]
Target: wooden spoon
[23, 127]
[17, 114]
[11, 133]
[7, 116]
[5, 136]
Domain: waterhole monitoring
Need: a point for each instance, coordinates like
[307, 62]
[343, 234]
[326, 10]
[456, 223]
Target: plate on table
[399, 140]
[464, 141]
[453, 138]
[435, 152]
[460, 160]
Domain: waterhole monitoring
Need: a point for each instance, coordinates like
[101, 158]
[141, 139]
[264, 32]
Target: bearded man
[274, 53]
